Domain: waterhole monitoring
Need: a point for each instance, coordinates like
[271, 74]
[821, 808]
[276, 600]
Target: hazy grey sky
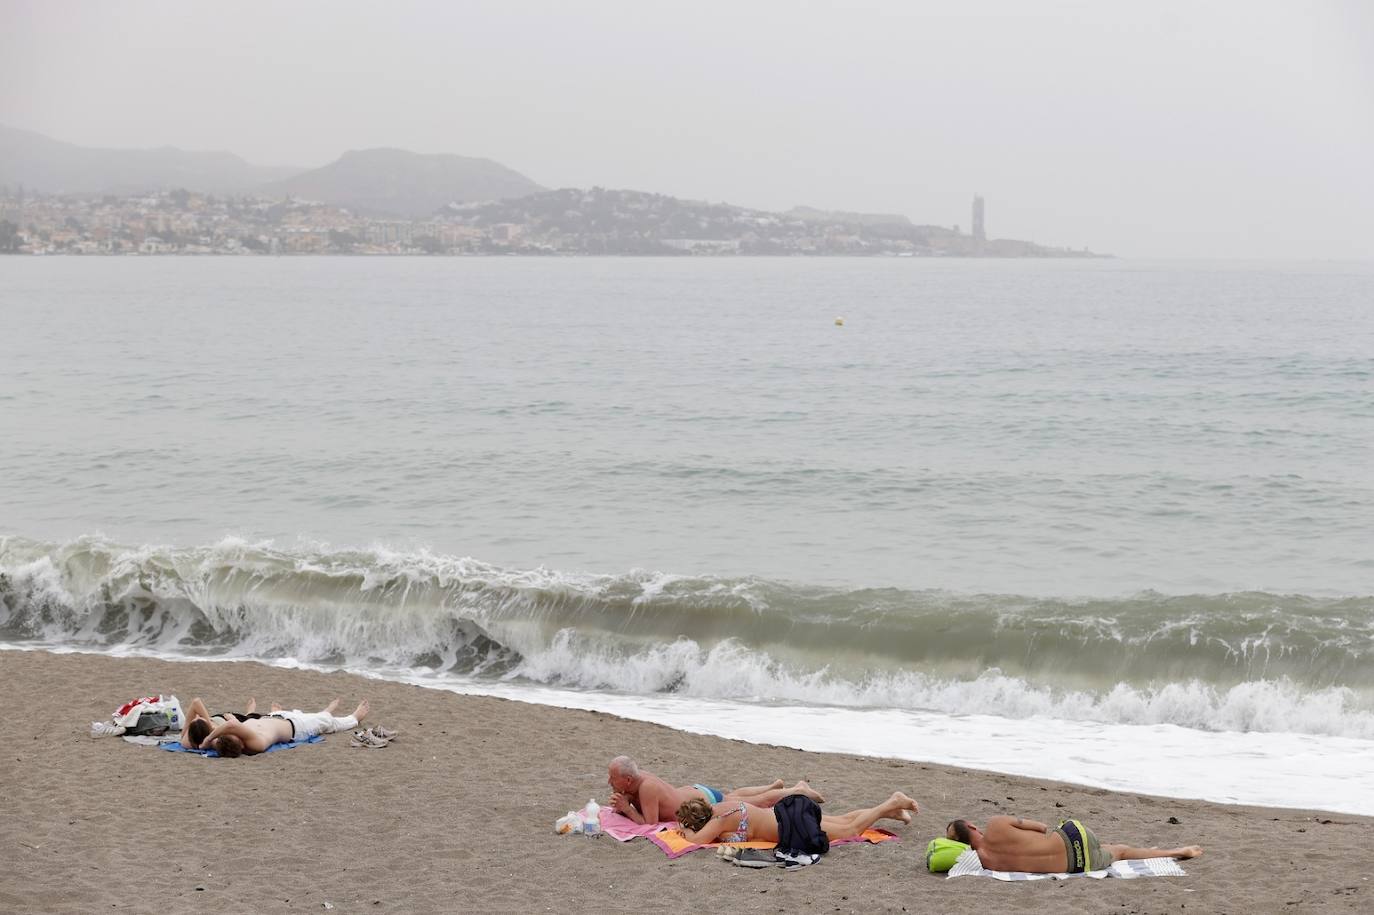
[1236, 128]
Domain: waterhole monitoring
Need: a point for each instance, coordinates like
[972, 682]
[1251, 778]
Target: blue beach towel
[178, 748]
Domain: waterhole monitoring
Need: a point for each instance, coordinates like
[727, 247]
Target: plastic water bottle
[591, 818]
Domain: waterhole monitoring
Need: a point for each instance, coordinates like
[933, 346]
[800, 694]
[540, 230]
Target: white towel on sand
[968, 865]
[148, 740]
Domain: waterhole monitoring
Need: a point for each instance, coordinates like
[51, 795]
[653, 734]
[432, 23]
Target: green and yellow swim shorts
[1084, 851]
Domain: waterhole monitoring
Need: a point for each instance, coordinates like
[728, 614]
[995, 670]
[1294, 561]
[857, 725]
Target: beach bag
[149, 715]
[799, 826]
[941, 854]
[152, 724]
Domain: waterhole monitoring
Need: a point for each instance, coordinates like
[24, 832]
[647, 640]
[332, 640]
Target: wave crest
[1241, 662]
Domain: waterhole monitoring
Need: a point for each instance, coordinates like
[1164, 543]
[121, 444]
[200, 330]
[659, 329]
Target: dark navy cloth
[799, 826]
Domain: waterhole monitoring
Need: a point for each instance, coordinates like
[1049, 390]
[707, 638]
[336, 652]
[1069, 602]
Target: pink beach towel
[622, 828]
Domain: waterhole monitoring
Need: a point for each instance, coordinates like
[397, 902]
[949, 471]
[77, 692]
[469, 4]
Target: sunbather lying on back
[199, 721]
[233, 738]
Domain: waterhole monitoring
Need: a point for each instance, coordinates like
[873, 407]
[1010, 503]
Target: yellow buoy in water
[839, 322]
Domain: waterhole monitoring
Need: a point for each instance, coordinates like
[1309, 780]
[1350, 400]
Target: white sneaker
[105, 729]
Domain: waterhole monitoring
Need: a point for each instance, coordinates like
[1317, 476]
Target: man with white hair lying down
[645, 798]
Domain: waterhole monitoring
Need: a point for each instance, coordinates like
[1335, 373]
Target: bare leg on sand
[747, 793]
[1127, 852]
[899, 807]
[771, 796]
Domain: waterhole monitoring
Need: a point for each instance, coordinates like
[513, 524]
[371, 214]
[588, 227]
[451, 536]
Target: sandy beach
[457, 814]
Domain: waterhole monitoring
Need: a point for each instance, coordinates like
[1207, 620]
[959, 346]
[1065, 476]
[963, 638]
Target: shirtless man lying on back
[199, 721]
[645, 798]
[233, 738]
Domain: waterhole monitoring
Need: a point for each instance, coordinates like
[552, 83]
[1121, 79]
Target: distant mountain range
[484, 197]
[382, 182]
[394, 182]
[43, 164]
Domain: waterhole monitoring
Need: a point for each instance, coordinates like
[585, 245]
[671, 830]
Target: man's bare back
[654, 799]
[645, 798]
[1019, 844]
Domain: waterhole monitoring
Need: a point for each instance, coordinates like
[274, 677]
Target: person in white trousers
[236, 738]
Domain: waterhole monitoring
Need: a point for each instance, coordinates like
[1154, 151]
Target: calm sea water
[1116, 497]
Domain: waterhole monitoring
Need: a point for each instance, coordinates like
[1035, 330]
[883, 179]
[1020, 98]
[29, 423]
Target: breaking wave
[1235, 662]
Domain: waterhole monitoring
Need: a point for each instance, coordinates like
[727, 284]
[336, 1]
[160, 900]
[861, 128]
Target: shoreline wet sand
[457, 815]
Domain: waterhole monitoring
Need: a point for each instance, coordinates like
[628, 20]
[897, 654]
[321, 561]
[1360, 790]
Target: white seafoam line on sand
[1263, 769]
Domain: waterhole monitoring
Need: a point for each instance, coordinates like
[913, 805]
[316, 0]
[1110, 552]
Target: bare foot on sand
[777, 783]
[361, 711]
[329, 709]
[802, 787]
[276, 707]
[252, 706]
[1186, 852]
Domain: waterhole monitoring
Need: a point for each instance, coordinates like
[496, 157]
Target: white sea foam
[731, 671]
[38, 583]
[1278, 770]
[1281, 770]
[365, 608]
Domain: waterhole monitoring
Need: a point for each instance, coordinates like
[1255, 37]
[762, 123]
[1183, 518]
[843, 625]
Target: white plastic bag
[569, 824]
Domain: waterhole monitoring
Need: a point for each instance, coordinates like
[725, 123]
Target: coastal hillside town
[557, 222]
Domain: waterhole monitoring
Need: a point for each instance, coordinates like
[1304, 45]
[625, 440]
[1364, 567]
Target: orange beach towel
[675, 844]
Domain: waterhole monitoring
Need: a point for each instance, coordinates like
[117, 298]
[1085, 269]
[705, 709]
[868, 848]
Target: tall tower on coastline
[979, 235]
